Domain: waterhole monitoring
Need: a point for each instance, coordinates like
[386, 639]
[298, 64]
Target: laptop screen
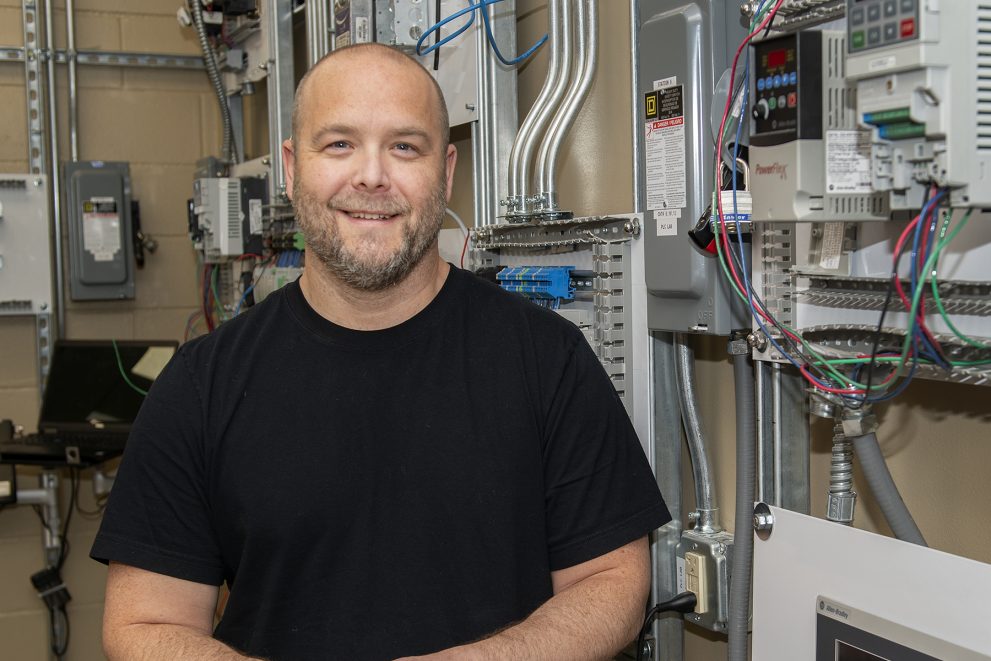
[99, 384]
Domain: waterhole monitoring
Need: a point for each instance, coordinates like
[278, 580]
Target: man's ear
[289, 165]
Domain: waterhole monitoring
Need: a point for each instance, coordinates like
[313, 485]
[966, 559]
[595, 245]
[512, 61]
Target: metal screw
[470, 107]
[37, 183]
[693, 517]
[757, 340]
[44, 306]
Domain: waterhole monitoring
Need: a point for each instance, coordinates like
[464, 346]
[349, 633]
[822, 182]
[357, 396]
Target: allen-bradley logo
[774, 168]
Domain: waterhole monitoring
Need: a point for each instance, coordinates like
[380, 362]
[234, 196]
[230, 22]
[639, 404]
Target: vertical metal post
[235, 103]
[52, 539]
[280, 89]
[55, 178]
[70, 59]
[668, 631]
[766, 492]
[635, 102]
[792, 439]
[43, 328]
[33, 93]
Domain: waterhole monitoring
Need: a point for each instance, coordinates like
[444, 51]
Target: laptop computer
[93, 393]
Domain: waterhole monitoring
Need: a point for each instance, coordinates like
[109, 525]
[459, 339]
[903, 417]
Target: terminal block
[545, 285]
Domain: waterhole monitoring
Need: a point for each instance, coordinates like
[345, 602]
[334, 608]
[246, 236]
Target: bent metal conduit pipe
[587, 29]
[705, 491]
[554, 89]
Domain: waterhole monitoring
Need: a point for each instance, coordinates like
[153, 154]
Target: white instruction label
[255, 216]
[682, 581]
[664, 139]
[848, 162]
[832, 245]
[362, 34]
[670, 81]
[101, 228]
[667, 221]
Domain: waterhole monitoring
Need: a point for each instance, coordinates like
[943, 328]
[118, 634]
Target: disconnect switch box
[98, 215]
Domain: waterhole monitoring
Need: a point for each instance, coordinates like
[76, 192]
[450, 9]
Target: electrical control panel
[227, 216]
[921, 72]
[98, 214]
[809, 158]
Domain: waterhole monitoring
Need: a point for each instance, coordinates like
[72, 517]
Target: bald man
[390, 457]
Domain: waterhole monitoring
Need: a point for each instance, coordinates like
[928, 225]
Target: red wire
[920, 317]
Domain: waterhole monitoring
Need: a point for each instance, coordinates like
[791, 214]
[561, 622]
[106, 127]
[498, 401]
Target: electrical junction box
[98, 215]
[809, 158]
[684, 49]
[229, 216]
[703, 562]
[354, 22]
[922, 70]
[25, 245]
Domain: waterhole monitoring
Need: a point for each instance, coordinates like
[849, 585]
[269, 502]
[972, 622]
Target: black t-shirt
[374, 494]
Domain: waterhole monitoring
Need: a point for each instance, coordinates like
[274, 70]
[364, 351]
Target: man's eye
[405, 146]
[338, 144]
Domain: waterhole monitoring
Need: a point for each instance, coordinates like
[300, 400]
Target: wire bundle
[920, 345]
[470, 10]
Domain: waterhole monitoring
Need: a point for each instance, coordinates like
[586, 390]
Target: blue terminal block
[544, 285]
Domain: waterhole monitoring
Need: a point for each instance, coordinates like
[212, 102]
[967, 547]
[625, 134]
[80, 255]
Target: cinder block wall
[161, 121]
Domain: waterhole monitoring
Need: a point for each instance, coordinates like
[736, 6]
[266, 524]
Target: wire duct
[743, 537]
[229, 152]
[588, 47]
[879, 478]
[536, 121]
[705, 492]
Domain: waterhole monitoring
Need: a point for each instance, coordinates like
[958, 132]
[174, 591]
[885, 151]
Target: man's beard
[357, 265]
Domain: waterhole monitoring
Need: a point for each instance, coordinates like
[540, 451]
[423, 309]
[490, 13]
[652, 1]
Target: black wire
[437, 36]
[64, 552]
[59, 647]
[884, 311]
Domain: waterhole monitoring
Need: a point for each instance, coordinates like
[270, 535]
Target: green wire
[891, 359]
[216, 299]
[935, 286]
[120, 366]
[928, 268]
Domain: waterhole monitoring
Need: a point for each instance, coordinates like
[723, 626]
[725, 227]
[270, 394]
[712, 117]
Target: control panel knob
[761, 110]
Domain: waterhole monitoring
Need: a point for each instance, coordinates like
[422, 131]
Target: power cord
[680, 603]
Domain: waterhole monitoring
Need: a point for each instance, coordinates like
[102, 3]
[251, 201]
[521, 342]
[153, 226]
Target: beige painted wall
[161, 122]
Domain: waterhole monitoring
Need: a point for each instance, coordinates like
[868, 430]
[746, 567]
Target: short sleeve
[599, 488]
[157, 517]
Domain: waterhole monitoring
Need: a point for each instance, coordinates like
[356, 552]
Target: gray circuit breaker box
[98, 215]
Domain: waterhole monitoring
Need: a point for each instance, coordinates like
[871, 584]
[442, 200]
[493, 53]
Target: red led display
[777, 58]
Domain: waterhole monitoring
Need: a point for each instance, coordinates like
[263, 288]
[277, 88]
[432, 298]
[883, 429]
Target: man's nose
[370, 171]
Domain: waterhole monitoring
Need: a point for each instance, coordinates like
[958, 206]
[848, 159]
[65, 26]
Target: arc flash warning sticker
[101, 228]
[664, 141]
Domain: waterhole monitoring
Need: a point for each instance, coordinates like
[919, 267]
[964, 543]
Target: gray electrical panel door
[684, 48]
[98, 215]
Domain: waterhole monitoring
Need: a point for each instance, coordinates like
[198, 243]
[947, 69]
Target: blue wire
[930, 207]
[471, 8]
[437, 26]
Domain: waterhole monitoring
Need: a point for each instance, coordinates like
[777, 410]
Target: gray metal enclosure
[687, 41]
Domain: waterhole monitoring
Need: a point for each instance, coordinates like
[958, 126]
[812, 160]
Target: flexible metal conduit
[879, 478]
[558, 72]
[218, 86]
[587, 46]
[705, 492]
[743, 534]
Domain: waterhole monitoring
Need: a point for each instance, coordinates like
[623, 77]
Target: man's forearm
[151, 642]
[591, 620]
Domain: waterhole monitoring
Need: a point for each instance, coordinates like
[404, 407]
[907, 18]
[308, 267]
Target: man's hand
[595, 611]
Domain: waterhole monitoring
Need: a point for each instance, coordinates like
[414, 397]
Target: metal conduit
[743, 534]
[558, 72]
[55, 176]
[587, 46]
[317, 38]
[70, 38]
[213, 72]
[705, 491]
